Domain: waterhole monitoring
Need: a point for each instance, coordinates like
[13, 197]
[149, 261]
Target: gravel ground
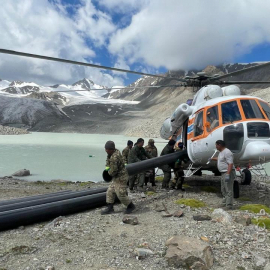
[90, 241]
[5, 130]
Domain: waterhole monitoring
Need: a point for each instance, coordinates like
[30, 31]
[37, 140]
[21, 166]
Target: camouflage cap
[151, 141]
[110, 145]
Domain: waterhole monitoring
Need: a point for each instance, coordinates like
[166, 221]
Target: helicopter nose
[256, 150]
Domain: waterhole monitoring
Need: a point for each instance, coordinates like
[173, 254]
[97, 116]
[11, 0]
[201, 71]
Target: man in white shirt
[227, 169]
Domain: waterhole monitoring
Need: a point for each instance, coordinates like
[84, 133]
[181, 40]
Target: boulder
[189, 253]
[245, 220]
[178, 213]
[258, 262]
[222, 216]
[143, 252]
[132, 220]
[23, 172]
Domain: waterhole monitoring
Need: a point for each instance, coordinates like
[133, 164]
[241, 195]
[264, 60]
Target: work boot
[130, 208]
[108, 210]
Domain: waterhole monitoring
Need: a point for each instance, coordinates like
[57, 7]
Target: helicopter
[222, 113]
[214, 113]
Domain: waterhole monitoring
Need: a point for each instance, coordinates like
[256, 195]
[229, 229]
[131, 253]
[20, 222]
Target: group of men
[115, 166]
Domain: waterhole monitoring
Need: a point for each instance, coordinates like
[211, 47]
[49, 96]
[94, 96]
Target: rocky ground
[90, 241]
[5, 130]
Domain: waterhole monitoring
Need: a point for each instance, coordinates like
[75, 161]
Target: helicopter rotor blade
[82, 63]
[120, 88]
[242, 82]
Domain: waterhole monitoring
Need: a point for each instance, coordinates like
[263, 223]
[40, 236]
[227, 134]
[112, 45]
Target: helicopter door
[196, 141]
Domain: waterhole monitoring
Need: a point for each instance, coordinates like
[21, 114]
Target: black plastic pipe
[142, 166]
[60, 197]
[31, 198]
[29, 215]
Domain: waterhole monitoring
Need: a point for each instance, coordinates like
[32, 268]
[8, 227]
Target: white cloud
[192, 34]
[45, 28]
[122, 6]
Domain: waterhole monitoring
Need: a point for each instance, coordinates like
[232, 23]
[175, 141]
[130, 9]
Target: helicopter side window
[265, 108]
[251, 109]
[212, 118]
[230, 112]
[198, 124]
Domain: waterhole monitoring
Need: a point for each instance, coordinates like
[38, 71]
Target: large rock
[132, 220]
[23, 172]
[222, 216]
[189, 253]
[245, 220]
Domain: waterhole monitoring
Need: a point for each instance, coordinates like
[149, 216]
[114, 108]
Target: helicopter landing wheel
[246, 177]
[217, 173]
[236, 191]
[198, 173]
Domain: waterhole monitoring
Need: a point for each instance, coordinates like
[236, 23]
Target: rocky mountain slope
[28, 112]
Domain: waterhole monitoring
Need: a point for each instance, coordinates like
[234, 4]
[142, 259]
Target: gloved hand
[107, 169]
[227, 178]
[125, 164]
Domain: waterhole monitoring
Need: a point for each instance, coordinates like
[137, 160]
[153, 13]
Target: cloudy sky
[145, 35]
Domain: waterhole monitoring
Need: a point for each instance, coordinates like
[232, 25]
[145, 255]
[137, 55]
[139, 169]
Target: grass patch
[85, 184]
[159, 178]
[186, 186]
[244, 199]
[255, 208]
[209, 189]
[191, 202]
[68, 261]
[150, 193]
[262, 222]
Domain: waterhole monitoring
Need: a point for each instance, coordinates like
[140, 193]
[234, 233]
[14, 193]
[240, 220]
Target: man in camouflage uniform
[137, 154]
[168, 149]
[118, 187]
[126, 151]
[178, 180]
[151, 150]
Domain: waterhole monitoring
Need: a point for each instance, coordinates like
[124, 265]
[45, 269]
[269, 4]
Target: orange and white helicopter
[218, 113]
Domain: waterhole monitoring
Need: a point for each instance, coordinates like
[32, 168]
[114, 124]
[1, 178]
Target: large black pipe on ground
[32, 198]
[59, 197]
[148, 164]
[29, 215]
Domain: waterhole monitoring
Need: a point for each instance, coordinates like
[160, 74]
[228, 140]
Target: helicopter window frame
[240, 112]
[263, 105]
[255, 112]
[217, 114]
[196, 127]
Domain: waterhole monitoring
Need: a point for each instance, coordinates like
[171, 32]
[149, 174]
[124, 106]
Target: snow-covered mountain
[82, 92]
[45, 107]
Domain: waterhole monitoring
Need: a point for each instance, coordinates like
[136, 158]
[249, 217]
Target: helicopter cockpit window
[265, 108]
[230, 112]
[198, 124]
[212, 118]
[251, 109]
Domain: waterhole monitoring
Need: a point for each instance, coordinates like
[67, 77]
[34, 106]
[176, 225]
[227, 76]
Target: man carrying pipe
[166, 168]
[138, 154]
[151, 150]
[118, 187]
